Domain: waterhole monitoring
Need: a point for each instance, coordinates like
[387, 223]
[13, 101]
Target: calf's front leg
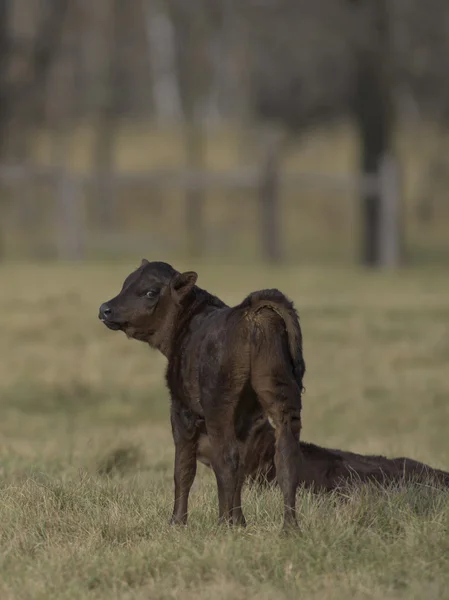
[184, 476]
[186, 440]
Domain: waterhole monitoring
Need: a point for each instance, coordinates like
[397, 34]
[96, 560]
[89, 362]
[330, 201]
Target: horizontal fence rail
[69, 187]
[248, 177]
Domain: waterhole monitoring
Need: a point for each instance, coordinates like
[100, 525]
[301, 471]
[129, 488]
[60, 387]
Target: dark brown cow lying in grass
[228, 369]
[324, 469]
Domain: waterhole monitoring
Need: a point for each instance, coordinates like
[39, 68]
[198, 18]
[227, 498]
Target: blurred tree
[4, 106]
[280, 66]
[110, 109]
[373, 110]
[4, 92]
[420, 40]
[162, 60]
[26, 65]
[316, 64]
[191, 24]
[299, 72]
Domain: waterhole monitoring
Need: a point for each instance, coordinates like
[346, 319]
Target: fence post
[389, 225]
[269, 198]
[70, 239]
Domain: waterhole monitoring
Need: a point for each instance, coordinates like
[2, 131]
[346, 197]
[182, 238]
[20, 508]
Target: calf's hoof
[176, 522]
[239, 521]
[225, 522]
[290, 525]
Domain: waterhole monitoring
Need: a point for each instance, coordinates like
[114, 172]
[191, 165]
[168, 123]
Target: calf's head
[149, 302]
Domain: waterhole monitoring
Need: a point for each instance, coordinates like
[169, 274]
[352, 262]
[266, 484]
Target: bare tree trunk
[70, 234]
[47, 44]
[227, 93]
[374, 114]
[4, 53]
[27, 87]
[162, 60]
[190, 43]
[25, 91]
[4, 99]
[106, 200]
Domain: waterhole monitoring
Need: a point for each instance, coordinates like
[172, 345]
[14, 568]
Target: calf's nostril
[105, 311]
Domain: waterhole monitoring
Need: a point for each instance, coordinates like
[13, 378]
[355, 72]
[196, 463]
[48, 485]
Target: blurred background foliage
[308, 132]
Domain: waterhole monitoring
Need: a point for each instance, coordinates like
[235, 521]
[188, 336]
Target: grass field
[86, 451]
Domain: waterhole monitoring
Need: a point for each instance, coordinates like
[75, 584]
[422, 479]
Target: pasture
[86, 451]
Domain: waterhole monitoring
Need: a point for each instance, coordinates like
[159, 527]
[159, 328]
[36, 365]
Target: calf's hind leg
[280, 397]
[287, 461]
[288, 456]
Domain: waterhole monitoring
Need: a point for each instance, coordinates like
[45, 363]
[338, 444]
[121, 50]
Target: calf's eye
[151, 294]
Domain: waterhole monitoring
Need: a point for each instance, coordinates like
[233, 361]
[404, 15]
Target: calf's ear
[144, 262]
[181, 284]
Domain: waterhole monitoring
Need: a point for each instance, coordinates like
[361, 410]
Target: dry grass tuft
[120, 460]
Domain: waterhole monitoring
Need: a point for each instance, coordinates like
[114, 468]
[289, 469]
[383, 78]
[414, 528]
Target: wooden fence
[68, 189]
